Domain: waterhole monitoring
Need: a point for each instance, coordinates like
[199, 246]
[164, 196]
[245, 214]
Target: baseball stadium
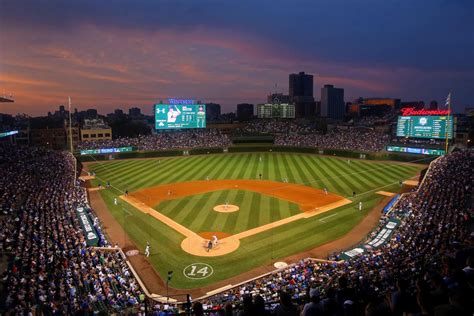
[249, 218]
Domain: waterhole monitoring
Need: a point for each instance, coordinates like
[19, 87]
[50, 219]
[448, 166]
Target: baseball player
[147, 249]
[209, 245]
[201, 117]
[360, 206]
[115, 201]
[326, 191]
[173, 113]
[214, 240]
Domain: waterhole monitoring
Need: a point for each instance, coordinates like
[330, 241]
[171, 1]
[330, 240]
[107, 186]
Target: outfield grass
[339, 176]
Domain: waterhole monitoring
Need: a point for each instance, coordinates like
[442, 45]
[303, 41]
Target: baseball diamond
[301, 202]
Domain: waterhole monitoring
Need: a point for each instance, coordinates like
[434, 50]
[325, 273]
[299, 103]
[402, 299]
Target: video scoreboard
[180, 114]
[427, 126]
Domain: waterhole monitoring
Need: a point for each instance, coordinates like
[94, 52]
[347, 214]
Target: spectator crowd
[286, 133]
[426, 268]
[50, 269]
[350, 139]
[208, 138]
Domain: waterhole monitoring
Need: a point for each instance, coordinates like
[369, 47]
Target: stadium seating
[51, 270]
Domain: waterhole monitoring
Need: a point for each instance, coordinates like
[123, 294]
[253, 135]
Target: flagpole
[447, 123]
[70, 127]
[70, 141]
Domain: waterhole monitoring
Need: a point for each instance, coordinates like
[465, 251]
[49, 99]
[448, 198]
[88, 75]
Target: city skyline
[138, 53]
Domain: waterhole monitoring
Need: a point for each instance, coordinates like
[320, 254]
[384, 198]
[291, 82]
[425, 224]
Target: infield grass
[336, 174]
[255, 209]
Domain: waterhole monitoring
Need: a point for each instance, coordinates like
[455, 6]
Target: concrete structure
[332, 102]
[95, 129]
[53, 138]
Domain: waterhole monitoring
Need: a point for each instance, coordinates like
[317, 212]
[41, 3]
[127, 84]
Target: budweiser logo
[413, 111]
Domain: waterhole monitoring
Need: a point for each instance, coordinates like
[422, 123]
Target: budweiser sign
[413, 111]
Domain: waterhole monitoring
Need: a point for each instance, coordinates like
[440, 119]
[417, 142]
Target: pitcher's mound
[197, 246]
[226, 208]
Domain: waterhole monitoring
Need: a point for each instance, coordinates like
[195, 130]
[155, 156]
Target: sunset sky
[118, 54]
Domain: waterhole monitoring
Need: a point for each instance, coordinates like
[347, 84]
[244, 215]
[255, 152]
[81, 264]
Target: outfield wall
[264, 148]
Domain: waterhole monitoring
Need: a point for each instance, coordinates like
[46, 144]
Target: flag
[448, 100]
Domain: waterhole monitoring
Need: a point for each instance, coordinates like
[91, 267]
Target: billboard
[425, 126]
[100, 151]
[420, 151]
[178, 116]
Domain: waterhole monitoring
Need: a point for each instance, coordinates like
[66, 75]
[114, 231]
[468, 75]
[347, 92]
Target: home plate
[280, 264]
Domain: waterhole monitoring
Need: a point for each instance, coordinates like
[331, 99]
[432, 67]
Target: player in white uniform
[173, 113]
[214, 240]
[147, 249]
[360, 206]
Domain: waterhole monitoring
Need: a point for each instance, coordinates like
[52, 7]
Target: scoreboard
[178, 116]
[282, 110]
[430, 126]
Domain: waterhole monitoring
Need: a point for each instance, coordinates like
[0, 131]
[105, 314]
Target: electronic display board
[425, 126]
[178, 116]
[5, 134]
[420, 151]
[100, 151]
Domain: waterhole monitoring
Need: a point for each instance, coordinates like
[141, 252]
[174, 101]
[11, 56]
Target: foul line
[322, 219]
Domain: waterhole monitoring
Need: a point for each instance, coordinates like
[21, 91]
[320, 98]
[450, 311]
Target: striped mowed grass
[255, 209]
[337, 175]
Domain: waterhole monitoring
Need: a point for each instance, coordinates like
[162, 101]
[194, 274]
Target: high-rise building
[301, 94]
[301, 85]
[332, 102]
[244, 111]
[433, 105]
[213, 111]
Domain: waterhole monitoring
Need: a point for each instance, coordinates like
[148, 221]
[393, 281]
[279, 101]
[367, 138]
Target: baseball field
[263, 207]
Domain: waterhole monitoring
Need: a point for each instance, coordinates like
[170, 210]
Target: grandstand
[58, 259]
